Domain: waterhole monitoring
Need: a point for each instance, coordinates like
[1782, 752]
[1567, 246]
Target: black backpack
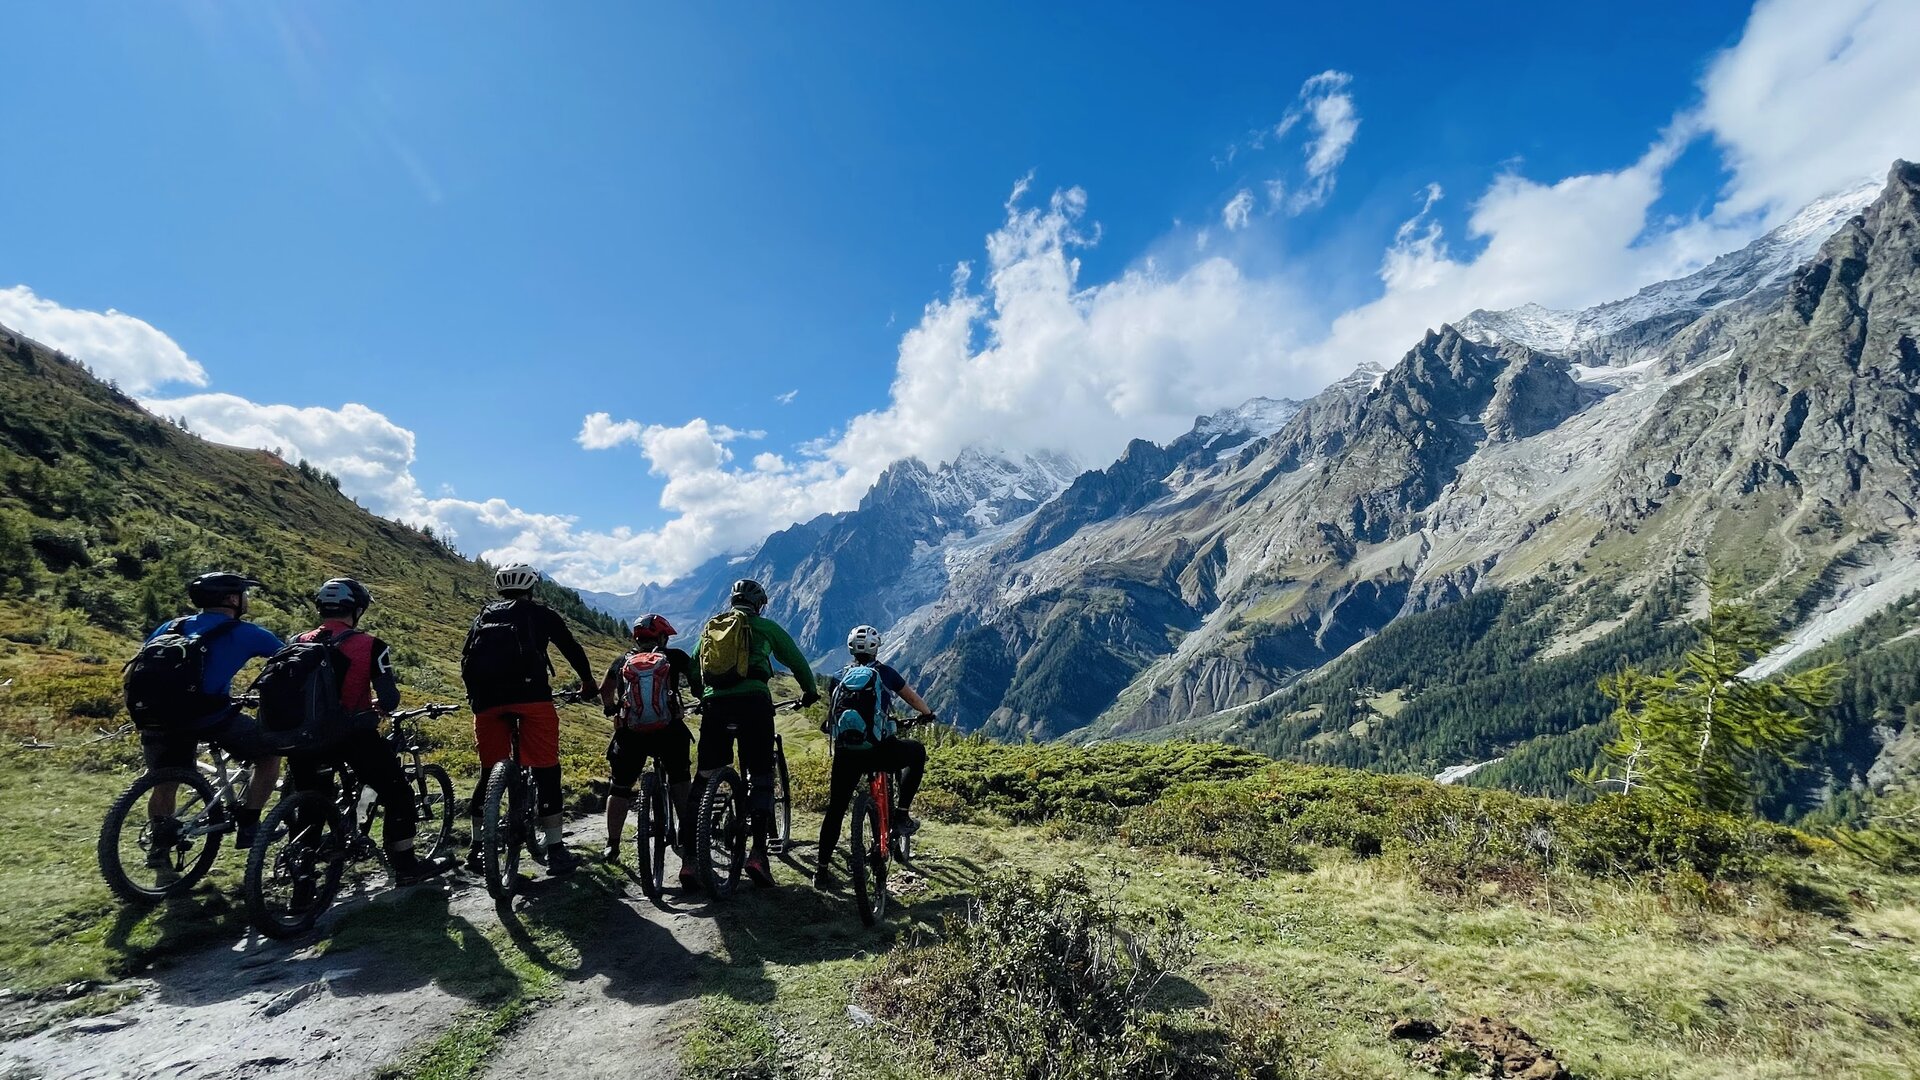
[504, 660]
[165, 680]
[300, 707]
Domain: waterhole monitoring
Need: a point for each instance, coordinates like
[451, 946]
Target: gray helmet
[748, 593]
[342, 594]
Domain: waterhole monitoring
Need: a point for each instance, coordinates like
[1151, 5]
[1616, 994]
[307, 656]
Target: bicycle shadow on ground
[593, 923]
[376, 941]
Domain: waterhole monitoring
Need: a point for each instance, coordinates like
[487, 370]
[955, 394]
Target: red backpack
[649, 696]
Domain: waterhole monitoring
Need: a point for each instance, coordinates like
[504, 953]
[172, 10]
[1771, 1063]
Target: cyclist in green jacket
[734, 659]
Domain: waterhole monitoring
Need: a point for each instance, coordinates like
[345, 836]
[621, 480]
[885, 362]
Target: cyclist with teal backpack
[734, 659]
[866, 739]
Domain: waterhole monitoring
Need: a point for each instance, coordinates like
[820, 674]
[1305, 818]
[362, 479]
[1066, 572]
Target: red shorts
[539, 734]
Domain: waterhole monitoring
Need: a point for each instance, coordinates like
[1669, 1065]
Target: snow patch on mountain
[1255, 418]
[1767, 261]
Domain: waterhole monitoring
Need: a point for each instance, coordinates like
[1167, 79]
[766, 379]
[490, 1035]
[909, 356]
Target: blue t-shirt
[229, 652]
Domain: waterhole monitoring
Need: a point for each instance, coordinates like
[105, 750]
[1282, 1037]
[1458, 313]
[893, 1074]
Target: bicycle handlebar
[432, 708]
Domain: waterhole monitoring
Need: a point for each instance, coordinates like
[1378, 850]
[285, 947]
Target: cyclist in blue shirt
[908, 757]
[221, 598]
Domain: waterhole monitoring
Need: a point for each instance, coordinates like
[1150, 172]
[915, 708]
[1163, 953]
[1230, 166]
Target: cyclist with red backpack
[179, 693]
[339, 653]
[734, 659]
[642, 694]
[867, 739]
[504, 665]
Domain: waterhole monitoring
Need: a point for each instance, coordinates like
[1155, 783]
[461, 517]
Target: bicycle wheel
[141, 871]
[294, 871]
[868, 868]
[722, 841]
[432, 809]
[652, 832]
[500, 829]
[782, 801]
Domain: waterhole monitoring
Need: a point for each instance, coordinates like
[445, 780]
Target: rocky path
[625, 977]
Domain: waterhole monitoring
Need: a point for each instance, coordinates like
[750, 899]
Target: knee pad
[615, 791]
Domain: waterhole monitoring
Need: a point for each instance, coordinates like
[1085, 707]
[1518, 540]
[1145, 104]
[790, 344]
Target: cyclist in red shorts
[505, 667]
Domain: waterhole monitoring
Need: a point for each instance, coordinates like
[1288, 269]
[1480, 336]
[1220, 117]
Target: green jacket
[770, 643]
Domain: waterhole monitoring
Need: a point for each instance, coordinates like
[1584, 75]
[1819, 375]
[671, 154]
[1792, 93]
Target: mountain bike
[871, 843]
[723, 830]
[509, 823]
[655, 825]
[302, 850]
[142, 868]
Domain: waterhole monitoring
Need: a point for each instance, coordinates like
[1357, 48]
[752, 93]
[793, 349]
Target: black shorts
[239, 735]
[628, 752]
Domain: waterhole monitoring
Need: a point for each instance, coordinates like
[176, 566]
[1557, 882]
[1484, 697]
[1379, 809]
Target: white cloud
[1334, 123]
[1815, 93]
[787, 398]
[1234, 215]
[599, 432]
[115, 345]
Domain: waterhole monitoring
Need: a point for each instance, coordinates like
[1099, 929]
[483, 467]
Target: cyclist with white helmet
[504, 665]
[892, 753]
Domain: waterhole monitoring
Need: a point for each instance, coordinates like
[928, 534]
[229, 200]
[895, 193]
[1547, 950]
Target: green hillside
[107, 510]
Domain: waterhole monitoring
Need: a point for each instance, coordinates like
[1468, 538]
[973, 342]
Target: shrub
[1051, 978]
[1217, 822]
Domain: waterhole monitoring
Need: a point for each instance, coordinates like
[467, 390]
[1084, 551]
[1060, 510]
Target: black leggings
[749, 719]
[907, 757]
[373, 760]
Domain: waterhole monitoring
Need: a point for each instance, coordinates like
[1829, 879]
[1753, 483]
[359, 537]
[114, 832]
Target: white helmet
[864, 641]
[515, 577]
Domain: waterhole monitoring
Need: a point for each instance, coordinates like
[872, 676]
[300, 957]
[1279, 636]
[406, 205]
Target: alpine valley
[1425, 568]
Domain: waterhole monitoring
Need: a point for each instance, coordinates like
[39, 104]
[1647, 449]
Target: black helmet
[342, 594]
[208, 590]
[747, 592]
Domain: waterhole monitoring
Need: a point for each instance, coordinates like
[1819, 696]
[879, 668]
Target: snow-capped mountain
[1763, 411]
[1765, 264]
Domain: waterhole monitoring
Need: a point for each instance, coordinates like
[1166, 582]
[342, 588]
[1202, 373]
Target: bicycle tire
[432, 810]
[281, 859]
[651, 835]
[500, 846]
[865, 865]
[722, 839]
[782, 801]
[187, 866]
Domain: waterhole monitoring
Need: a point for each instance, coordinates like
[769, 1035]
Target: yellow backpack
[726, 649]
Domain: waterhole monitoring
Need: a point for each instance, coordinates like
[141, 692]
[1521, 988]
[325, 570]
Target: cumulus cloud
[1238, 209]
[115, 345]
[1815, 92]
[600, 432]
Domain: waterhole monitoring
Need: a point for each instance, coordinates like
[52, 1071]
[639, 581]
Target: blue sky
[483, 223]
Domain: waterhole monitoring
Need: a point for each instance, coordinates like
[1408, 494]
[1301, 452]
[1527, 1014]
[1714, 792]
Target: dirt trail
[253, 1007]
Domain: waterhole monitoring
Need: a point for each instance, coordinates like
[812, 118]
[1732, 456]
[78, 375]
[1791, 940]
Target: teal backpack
[860, 720]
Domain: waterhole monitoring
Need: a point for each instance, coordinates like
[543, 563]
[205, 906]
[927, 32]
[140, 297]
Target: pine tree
[1696, 733]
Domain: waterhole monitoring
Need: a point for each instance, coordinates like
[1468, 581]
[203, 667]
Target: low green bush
[1050, 977]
